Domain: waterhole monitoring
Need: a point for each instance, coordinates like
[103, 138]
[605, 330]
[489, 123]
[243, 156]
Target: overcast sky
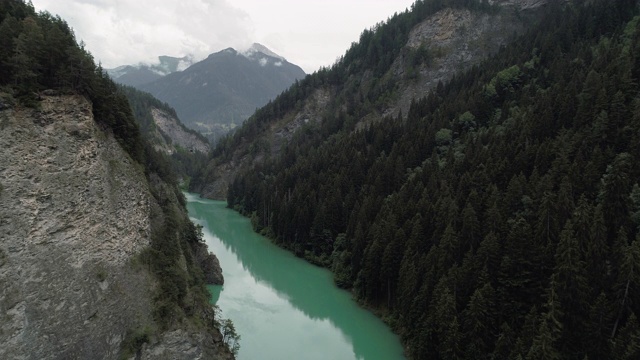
[307, 33]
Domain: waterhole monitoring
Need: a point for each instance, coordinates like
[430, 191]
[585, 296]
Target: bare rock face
[457, 40]
[169, 125]
[74, 213]
[74, 210]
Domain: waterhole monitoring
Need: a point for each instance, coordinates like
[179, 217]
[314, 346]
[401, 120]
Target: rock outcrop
[74, 215]
[172, 128]
[458, 39]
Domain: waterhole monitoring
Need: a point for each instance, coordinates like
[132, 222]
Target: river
[282, 306]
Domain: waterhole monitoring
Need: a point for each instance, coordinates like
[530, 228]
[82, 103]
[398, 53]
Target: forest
[500, 217]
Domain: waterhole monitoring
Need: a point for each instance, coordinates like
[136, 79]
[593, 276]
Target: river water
[282, 306]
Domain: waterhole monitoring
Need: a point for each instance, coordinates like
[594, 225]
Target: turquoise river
[282, 306]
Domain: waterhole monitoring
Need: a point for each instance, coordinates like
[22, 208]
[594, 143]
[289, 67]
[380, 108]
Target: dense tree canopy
[499, 217]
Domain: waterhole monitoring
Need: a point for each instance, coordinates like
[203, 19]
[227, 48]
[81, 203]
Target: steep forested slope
[98, 257]
[160, 126]
[499, 217]
[378, 77]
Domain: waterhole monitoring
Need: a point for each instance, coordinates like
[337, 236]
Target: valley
[460, 183]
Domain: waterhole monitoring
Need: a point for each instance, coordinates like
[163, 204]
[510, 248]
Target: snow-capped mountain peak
[259, 48]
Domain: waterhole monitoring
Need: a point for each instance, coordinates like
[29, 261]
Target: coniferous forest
[500, 217]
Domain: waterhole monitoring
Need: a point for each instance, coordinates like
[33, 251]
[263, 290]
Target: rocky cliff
[75, 213]
[173, 129]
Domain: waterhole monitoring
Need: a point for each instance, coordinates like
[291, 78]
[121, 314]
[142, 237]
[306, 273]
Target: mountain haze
[137, 75]
[221, 91]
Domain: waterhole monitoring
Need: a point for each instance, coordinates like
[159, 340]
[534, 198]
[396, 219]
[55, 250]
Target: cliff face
[170, 126]
[75, 211]
[459, 39]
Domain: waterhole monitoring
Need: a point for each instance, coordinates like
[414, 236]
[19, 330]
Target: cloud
[307, 33]
[128, 32]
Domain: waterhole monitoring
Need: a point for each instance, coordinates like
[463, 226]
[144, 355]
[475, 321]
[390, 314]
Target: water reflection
[307, 288]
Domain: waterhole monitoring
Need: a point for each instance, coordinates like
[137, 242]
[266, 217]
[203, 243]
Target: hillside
[494, 217]
[137, 75]
[378, 77]
[220, 92]
[160, 125]
[98, 257]
[186, 149]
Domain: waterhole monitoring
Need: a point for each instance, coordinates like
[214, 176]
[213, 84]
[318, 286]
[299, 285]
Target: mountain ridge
[139, 74]
[218, 93]
[448, 41]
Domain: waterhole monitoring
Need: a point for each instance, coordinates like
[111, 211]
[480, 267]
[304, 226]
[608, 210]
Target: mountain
[220, 92]
[371, 81]
[160, 126]
[98, 257]
[137, 75]
[478, 190]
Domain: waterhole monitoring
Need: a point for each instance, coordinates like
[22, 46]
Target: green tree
[26, 54]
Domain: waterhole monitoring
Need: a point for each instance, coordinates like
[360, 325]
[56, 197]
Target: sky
[307, 33]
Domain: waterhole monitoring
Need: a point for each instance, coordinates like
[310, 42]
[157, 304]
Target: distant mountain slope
[379, 77]
[136, 75]
[223, 90]
[160, 125]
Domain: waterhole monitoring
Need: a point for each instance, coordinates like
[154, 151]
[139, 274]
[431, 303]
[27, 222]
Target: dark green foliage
[497, 220]
[38, 51]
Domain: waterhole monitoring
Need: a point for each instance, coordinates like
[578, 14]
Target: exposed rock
[170, 126]
[459, 39]
[279, 135]
[183, 345]
[51, 92]
[74, 213]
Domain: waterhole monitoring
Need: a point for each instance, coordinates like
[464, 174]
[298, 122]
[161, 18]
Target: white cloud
[263, 62]
[182, 65]
[307, 33]
[127, 32]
